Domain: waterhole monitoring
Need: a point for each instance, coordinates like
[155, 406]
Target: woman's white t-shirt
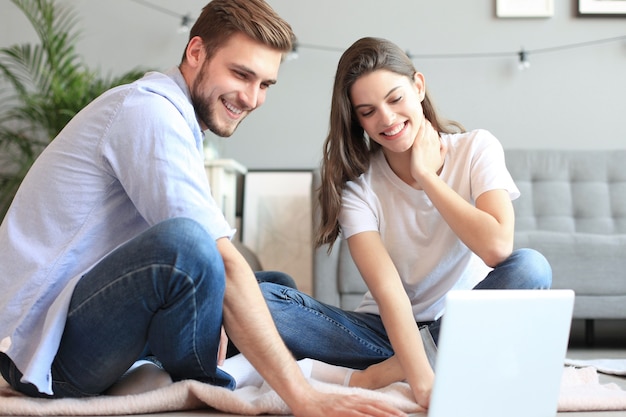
[430, 258]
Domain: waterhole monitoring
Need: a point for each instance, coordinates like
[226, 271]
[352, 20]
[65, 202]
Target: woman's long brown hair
[347, 150]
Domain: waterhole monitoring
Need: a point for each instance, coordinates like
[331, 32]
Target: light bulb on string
[293, 54]
[184, 24]
[524, 63]
[185, 20]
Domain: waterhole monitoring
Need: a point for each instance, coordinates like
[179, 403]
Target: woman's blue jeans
[312, 329]
[159, 294]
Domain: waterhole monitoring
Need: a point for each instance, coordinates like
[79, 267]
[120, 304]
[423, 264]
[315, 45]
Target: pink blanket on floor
[580, 391]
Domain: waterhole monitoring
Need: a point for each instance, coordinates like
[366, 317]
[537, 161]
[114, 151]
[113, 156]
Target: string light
[185, 19]
[522, 54]
[293, 54]
[185, 24]
[523, 60]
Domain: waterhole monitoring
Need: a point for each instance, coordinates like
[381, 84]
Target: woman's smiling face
[388, 107]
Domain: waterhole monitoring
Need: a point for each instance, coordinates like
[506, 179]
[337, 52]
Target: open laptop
[501, 353]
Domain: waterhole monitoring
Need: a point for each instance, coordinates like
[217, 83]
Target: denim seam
[122, 277]
[363, 342]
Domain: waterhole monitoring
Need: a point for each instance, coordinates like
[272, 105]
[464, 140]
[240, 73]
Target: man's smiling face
[233, 82]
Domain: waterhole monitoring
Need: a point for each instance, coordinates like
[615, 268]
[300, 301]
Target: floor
[609, 343]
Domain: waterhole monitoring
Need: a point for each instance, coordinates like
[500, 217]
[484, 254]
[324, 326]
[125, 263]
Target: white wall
[571, 98]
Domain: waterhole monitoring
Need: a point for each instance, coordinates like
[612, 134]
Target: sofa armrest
[325, 277]
[336, 279]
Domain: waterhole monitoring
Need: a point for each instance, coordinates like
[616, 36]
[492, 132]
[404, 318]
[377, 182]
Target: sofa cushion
[591, 264]
[569, 191]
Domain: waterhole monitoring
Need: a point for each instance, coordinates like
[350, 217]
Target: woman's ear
[420, 84]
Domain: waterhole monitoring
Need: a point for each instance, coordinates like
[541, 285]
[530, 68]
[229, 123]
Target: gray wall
[568, 98]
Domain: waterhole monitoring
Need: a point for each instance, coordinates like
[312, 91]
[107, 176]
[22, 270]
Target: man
[113, 246]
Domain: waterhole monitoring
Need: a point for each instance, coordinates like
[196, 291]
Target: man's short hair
[220, 19]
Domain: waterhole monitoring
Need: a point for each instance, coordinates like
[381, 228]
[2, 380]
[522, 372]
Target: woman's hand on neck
[425, 157]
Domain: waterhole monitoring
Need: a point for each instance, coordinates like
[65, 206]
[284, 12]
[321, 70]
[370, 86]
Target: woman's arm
[487, 228]
[383, 281]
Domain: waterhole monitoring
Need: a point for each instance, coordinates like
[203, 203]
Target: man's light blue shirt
[128, 161]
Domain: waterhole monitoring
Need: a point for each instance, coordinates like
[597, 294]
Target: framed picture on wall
[601, 7]
[524, 8]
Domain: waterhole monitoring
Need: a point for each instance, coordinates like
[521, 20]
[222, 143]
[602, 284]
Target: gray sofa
[572, 209]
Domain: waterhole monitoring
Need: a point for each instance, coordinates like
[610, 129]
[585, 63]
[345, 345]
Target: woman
[425, 207]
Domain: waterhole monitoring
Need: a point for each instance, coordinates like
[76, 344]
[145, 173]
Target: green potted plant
[42, 86]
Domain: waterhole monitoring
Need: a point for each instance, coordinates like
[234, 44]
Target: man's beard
[204, 112]
[205, 108]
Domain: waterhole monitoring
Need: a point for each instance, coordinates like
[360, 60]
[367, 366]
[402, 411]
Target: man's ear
[194, 53]
[420, 84]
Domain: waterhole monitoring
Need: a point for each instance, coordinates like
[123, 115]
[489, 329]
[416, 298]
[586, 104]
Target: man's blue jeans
[162, 293]
[312, 329]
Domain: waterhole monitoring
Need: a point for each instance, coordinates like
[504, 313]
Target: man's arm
[249, 325]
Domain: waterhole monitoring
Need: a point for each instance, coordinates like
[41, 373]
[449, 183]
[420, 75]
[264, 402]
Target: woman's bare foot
[378, 375]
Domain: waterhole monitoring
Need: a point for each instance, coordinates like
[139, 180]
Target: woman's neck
[400, 164]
